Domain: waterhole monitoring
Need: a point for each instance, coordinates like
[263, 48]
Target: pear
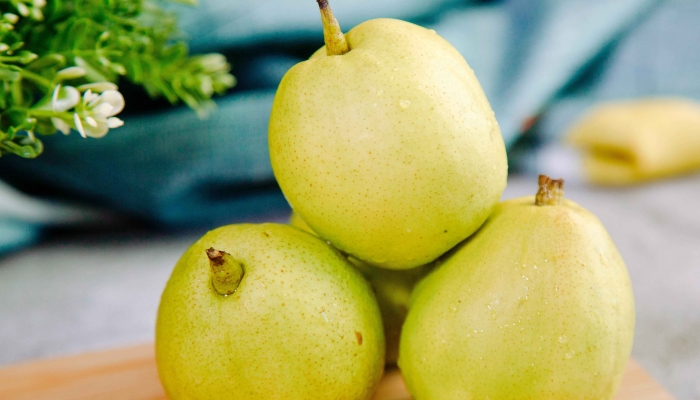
[536, 305]
[267, 312]
[392, 289]
[385, 144]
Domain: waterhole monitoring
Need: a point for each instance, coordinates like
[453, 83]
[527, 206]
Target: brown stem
[336, 44]
[551, 191]
[227, 272]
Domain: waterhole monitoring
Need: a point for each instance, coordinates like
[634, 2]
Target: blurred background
[601, 92]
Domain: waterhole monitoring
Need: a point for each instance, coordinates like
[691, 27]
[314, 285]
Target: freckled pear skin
[536, 305]
[390, 151]
[392, 289]
[301, 324]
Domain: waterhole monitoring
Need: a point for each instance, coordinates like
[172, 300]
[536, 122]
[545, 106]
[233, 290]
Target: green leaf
[7, 74]
[14, 120]
[17, 94]
[49, 61]
[135, 71]
[16, 46]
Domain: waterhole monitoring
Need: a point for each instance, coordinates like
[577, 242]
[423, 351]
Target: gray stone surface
[91, 292]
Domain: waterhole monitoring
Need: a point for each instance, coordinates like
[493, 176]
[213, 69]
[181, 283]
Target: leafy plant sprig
[60, 61]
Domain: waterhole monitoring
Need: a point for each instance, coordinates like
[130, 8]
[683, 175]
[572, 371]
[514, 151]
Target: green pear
[267, 312]
[392, 289]
[536, 305]
[385, 144]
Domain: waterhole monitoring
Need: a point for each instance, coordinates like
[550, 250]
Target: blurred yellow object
[636, 141]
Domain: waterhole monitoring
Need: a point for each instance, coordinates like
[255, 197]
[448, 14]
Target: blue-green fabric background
[546, 58]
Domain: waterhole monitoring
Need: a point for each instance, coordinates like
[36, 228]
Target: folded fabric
[544, 58]
[221, 24]
[22, 217]
[171, 169]
[636, 141]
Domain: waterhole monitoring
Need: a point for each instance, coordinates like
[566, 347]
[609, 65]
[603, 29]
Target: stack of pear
[384, 143]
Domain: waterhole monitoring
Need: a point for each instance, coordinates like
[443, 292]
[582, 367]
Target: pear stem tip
[550, 192]
[227, 272]
[215, 256]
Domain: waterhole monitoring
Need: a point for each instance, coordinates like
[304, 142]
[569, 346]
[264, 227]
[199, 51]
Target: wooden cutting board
[130, 374]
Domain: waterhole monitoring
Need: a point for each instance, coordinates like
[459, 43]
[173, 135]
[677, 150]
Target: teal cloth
[14, 234]
[549, 59]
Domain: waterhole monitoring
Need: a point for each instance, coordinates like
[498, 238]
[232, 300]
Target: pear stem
[551, 191]
[227, 272]
[336, 44]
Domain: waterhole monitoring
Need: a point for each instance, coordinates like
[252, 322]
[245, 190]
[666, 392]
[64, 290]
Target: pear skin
[267, 312]
[389, 150]
[296, 221]
[392, 289]
[536, 305]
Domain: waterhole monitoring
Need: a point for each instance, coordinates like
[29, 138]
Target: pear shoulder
[523, 213]
[389, 32]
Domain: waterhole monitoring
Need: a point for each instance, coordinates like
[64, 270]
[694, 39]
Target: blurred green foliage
[60, 61]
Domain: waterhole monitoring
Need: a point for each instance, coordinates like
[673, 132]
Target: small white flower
[226, 80]
[37, 14]
[99, 130]
[206, 85]
[88, 96]
[93, 114]
[39, 3]
[112, 98]
[61, 125]
[114, 122]
[79, 125]
[22, 9]
[99, 113]
[11, 18]
[212, 62]
[64, 98]
[102, 109]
